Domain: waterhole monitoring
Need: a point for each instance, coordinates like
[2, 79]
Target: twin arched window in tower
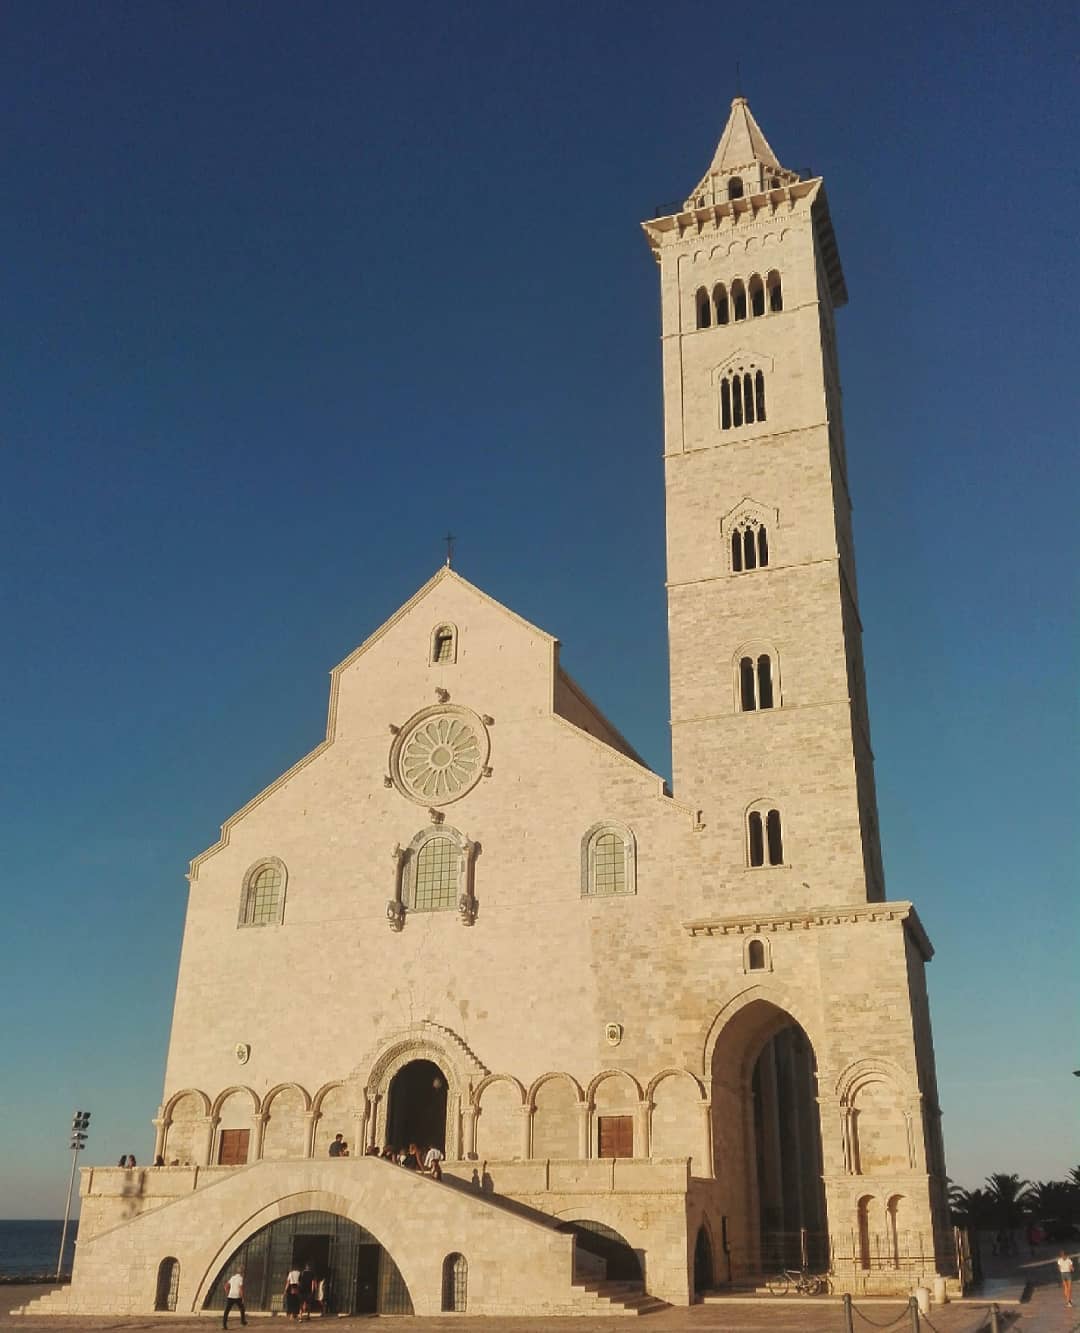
[730, 304]
[764, 838]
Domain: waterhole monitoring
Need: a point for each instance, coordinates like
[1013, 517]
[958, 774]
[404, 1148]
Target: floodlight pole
[80, 1123]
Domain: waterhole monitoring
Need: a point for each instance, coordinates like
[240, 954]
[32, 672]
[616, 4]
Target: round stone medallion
[439, 754]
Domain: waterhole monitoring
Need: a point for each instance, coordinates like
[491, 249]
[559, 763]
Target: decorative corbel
[467, 904]
[395, 907]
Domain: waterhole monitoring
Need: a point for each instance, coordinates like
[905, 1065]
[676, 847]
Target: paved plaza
[1042, 1312]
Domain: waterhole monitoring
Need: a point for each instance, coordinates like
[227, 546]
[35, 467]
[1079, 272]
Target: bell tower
[770, 729]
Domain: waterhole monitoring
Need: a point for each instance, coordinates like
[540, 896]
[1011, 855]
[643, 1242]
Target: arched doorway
[359, 1276]
[767, 1136]
[703, 1264]
[417, 1108]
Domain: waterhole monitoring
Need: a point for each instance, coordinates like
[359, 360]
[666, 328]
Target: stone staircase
[625, 1298]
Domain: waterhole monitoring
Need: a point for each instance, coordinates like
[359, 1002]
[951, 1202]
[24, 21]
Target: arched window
[757, 295]
[742, 397]
[704, 309]
[608, 861]
[764, 844]
[755, 683]
[720, 301]
[776, 295]
[738, 299]
[168, 1284]
[438, 875]
[735, 188]
[755, 956]
[262, 902]
[444, 644]
[455, 1283]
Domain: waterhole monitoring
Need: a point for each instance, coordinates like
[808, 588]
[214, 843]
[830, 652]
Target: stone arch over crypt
[419, 1044]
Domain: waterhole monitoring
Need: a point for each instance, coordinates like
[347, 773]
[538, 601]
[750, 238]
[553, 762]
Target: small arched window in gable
[704, 309]
[444, 644]
[262, 901]
[738, 299]
[608, 861]
[756, 959]
[776, 295]
[764, 844]
[168, 1285]
[720, 302]
[757, 295]
[455, 1283]
[735, 188]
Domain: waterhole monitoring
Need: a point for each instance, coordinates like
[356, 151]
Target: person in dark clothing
[309, 1291]
[336, 1146]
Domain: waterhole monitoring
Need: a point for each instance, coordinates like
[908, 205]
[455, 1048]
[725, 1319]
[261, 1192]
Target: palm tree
[1007, 1196]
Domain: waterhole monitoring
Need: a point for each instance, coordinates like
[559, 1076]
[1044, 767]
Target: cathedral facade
[668, 1038]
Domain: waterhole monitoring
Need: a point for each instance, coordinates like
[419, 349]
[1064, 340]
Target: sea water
[32, 1248]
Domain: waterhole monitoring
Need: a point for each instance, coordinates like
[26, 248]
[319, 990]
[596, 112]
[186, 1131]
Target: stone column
[160, 1125]
[643, 1129]
[311, 1120]
[527, 1113]
[469, 1114]
[202, 1156]
[706, 1163]
[260, 1135]
[584, 1146]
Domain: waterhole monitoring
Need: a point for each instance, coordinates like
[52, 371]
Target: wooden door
[616, 1136]
[233, 1147]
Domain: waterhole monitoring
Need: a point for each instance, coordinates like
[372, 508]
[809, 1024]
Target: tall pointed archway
[767, 1140]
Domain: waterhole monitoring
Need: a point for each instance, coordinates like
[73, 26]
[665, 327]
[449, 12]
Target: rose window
[439, 755]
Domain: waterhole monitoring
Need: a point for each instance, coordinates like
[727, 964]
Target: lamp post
[80, 1124]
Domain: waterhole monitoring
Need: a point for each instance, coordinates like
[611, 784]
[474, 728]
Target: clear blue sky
[291, 288]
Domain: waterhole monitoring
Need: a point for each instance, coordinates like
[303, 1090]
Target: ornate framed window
[435, 873]
[262, 900]
[455, 1283]
[608, 861]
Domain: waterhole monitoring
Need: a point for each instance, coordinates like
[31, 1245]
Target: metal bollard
[913, 1310]
[849, 1318]
[995, 1326]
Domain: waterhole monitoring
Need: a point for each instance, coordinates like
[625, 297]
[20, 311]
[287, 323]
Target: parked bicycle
[800, 1281]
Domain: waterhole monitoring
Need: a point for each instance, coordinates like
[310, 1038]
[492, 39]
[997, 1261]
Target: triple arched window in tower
[749, 546]
[731, 303]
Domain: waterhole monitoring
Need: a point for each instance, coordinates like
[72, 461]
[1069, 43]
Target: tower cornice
[690, 223]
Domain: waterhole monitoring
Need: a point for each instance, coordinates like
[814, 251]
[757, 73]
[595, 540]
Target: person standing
[336, 1146]
[234, 1295]
[292, 1294]
[432, 1163]
[1065, 1272]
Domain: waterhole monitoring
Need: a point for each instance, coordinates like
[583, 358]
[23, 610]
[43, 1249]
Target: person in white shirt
[234, 1295]
[431, 1167]
[1065, 1272]
[292, 1294]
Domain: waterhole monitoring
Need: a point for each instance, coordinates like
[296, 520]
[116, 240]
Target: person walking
[1065, 1272]
[234, 1295]
[309, 1287]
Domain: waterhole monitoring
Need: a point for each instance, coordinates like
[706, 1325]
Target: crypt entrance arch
[766, 1124]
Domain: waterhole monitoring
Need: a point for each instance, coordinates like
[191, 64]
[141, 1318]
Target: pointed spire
[743, 163]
